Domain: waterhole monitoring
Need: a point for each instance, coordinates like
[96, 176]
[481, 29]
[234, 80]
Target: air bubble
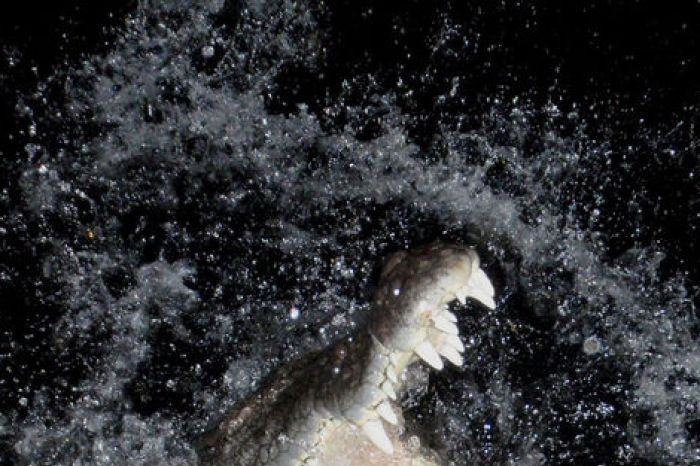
[592, 345]
[207, 51]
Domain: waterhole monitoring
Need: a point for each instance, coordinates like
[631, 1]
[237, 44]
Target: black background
[630, 69]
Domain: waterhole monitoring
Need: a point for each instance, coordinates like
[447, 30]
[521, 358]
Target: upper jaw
[414, 303]
[425, 329]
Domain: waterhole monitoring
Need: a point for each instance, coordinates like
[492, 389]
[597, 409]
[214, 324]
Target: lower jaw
[346, 445]
[342, 442]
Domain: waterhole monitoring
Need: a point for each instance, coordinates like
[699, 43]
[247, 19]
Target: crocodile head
[410, 308]
[338, 406]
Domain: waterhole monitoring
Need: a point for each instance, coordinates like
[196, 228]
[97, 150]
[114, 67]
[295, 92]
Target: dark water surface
[178, 176]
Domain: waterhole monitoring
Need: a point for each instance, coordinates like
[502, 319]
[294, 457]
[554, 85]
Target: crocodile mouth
[339, 406]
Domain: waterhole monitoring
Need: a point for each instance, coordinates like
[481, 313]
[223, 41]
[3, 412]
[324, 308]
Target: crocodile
[339, 406]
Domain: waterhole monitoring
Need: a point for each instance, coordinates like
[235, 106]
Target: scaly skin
[337, 406]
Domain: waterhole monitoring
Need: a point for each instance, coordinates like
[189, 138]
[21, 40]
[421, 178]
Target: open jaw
[339, 406]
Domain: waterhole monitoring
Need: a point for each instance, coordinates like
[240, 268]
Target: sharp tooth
[481, 280]
[461, 296]
[455, 342]
[376, 433]
[452, 355]
[388, 388]
[480, 288]
[490, 303]
[484, 299]
[441, 323]
[428, 354]
[387, 413]
[391, 375]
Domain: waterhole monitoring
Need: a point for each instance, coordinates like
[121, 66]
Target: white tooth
[388, 388]
[452, 355]
[441, 323]
[482, 298]
[391, 375]
[481, 280]
[480, 288]
[376, 433]
[489, 302]
[461, 296]
[455, 342]
[387, 413]
[428, 354]
[449, 316]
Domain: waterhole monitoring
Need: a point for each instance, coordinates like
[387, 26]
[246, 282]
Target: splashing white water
[330, 205]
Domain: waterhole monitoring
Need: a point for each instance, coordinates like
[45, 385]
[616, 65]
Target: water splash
[188, 209]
